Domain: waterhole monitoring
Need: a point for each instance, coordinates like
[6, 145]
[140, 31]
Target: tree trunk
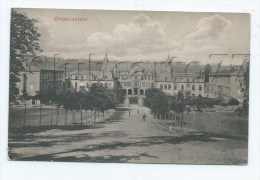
[72, 117]
[95, 112]
[75, 118]
[66, 113]
[81, 117]
[91, 116]
[181, 119]
[193, 122]
[219, 125]
[57, 115]
[24, 117]
[40, 115]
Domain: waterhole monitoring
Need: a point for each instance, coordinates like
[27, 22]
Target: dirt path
[126, 138]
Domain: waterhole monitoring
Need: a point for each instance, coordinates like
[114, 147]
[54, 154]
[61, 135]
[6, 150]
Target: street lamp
[173, 84]
[54, 73]
[65, 69]
[90, 54]
[78, 69]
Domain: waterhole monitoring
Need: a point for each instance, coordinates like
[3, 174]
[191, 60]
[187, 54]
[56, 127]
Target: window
[200, 87]
[169, 86]
[175, 87]
[81, 77]
[161, 86]
[165, 87]
[182, 87]
[188, 79]
[76, 85]
[76, 77]
[193, 87]
[188, 86]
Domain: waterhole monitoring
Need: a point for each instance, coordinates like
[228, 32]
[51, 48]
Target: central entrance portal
[134, 100]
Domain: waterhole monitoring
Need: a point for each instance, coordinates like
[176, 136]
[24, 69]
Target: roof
[232, 72]
[83, 65]
[81, 72]
[38, 63]
[163, 77]
[34, 67]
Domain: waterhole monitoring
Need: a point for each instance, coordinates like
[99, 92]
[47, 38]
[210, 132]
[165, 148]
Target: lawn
[49, 116]
[229, 123]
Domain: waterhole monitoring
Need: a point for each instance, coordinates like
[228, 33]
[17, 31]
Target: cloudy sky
[142, 35]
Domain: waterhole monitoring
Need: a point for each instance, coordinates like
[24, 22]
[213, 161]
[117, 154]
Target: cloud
[209, 28]
[210, 36]
[138, 36]
[141, 35]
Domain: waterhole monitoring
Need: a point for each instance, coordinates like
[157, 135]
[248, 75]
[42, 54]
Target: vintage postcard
[129, 86]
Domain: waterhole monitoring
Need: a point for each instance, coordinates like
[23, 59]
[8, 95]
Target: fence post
[193, 122]
[219, 128]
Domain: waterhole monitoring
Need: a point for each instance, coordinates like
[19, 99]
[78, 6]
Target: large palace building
[134, 77]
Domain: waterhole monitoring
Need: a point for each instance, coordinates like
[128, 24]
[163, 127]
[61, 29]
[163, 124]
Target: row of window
[50, 85]
[88, 84]
[137, 77]
[46, 75]
[224, 89]
[221, 80]
[86, 77]
[165, 86]
[193, 87]
[178, 79]
[141, 84]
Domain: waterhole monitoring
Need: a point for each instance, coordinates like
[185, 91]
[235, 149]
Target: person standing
[144, 117]
[129, 111]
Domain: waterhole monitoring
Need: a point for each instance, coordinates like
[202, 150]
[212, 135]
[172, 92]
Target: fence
[227, 123]
[49, 116]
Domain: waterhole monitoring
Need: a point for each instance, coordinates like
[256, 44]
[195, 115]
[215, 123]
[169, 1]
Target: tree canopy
[24, 40]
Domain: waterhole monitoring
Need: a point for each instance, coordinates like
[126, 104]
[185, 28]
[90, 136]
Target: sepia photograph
[125, 86]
